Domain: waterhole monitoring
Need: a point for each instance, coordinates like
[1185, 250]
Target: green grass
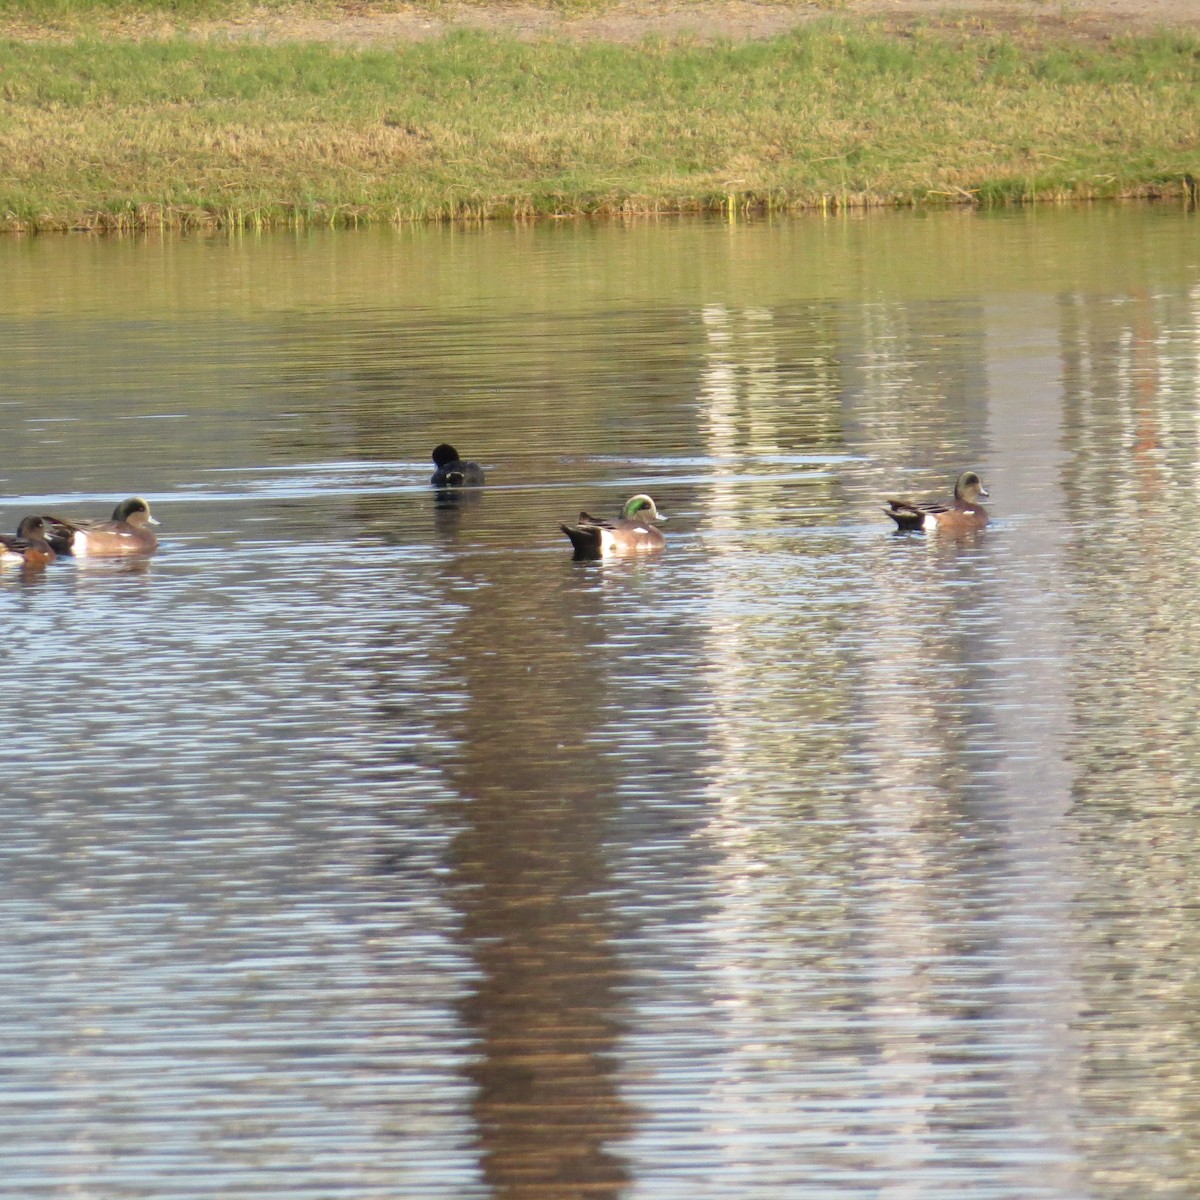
[73, 13]
[103, 133]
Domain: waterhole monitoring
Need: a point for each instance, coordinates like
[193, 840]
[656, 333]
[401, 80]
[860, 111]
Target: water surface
[363, 844]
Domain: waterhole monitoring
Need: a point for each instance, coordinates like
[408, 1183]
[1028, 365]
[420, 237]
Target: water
[364, 845]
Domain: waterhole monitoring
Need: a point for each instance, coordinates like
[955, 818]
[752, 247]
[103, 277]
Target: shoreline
[225, 125]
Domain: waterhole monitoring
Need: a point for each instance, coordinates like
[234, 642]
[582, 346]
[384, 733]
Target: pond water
[363, 844]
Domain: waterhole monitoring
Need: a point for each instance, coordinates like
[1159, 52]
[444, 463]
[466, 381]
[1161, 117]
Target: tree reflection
[531, 878]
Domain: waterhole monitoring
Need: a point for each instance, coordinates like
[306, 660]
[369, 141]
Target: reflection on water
[361, 843]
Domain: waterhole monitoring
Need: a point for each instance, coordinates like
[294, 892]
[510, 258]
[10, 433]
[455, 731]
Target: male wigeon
[631, 533]
[961, 515]
[128, 532]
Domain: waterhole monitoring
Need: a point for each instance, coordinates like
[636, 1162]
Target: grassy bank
[104, 133]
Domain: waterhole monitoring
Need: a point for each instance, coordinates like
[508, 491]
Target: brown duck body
[129, 532]
[961, 515]
[631, 533]
[29, 547]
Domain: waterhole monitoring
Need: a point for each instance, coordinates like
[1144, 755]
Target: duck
[128, 532]
[452, 471]
[29, 547]
[963, 514]
[630, 533]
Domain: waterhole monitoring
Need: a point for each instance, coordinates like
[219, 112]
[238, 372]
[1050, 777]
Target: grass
[100, 132]
[73, 13]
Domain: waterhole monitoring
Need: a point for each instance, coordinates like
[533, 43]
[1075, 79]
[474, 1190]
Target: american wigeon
[961, 515]
[128, 532]
[29, 547]
[452, 471]
[631, 533]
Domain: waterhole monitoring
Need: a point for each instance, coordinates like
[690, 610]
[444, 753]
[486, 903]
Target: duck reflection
[451, 505]
[24, 576]
[82, 575]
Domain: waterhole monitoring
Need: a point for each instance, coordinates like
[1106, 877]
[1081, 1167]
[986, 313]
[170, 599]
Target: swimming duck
[29, 547]
[631, 533]
[128, 532]
[961, 515]
[453, 471]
